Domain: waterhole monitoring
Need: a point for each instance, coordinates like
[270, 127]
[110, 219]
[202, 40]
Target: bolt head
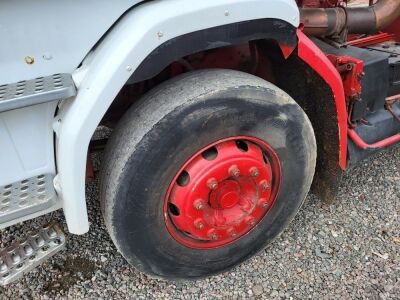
[264, 185]
[250, 221]
[199, 223]
[234, 171]
[263, 203]
[254, 172]
[212, 183]
[212, 234]
[199, 204]
[29, 60]
[231, 232]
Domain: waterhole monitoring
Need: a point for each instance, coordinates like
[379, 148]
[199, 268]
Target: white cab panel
[26, 142]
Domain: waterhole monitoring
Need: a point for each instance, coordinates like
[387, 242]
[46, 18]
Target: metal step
[36, 91]
[26, 199]
[23, 256]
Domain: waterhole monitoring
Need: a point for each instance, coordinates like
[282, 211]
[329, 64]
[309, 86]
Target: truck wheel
[204, 171]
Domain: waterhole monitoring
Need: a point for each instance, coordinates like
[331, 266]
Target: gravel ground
[350, 249]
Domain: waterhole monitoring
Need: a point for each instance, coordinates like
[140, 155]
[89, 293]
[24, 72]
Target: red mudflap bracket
[317, 60]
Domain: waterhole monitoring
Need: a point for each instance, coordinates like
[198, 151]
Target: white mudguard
[108, 68]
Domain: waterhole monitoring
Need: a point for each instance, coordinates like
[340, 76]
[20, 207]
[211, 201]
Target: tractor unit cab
[222, 115]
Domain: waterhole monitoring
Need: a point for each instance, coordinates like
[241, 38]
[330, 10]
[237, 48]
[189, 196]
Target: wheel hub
[222, 192]
[226, 195]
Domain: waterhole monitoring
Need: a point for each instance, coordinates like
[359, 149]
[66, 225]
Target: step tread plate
[23, 256]
[26, 197]
[36, 91]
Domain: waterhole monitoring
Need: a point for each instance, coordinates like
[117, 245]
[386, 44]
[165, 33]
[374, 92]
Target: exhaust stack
[332, 21]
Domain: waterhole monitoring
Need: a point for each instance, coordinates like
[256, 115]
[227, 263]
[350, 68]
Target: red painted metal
[286, 50]
[89, 168]
[319, 3]
[351, 71]
[222, 192]
[381, 144]
[394, 29]
[371, 40]
[317, 60]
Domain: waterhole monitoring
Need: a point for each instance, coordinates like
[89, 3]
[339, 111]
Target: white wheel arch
[107, 69]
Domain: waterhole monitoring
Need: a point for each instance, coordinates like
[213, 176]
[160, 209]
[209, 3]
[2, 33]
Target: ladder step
[36, 91]
[26, 197]
[23, 256]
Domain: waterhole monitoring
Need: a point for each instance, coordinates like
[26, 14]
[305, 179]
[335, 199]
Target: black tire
[163, 130]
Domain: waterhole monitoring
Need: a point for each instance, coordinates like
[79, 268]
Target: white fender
[114, 60]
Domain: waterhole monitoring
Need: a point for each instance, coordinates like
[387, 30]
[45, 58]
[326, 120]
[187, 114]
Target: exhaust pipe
[332, 21]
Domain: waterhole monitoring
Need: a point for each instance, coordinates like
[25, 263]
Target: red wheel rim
[222, 192]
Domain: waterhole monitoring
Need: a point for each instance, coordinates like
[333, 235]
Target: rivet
[129, 68]
[29, 60]
[226, 13]
[234, 171]
[160, 34]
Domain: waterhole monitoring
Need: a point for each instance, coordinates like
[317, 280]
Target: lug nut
[212, 234]
[264, 185]
[234, 171]
[263, 203]
[199, 204]
[254, 172]
[214, 237]
[212, 183]
[199, 224]
[231, 232]
[250, 221]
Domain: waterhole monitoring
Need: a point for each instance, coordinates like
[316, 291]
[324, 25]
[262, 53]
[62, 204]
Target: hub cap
[222, 192]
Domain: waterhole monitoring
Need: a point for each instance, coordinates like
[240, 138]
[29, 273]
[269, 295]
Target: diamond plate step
[36, 91]
[27, 197]
[23, 256]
